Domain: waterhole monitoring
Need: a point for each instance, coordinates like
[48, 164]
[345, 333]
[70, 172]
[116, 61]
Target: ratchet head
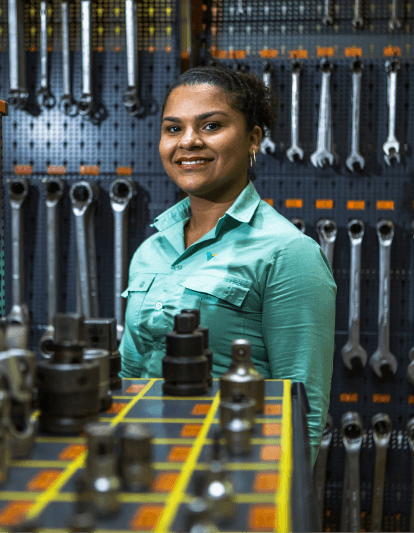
[351, 430]
[18, 190]
[351, 352]
[299, 223]
[68, 106]
[85, 106]
[82, 194]
[356, 230]
[385, 231]
[381, 429]
[53, 189]
[327, 230]
[45, 98]
[121, 192]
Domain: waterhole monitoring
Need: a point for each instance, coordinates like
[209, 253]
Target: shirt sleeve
[299, 325]
[130, 365]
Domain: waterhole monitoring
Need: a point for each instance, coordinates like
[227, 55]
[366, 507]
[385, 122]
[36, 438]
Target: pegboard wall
[246, 35]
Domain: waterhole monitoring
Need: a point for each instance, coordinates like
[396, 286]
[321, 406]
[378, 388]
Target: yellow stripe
[122, 414]
[174, 500]
[61, 440]
[39, 464]
[283, 495]
[274, 420]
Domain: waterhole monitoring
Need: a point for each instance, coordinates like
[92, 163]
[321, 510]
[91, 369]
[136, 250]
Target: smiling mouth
[189, 165]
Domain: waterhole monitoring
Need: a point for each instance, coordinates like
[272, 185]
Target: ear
[255, 138]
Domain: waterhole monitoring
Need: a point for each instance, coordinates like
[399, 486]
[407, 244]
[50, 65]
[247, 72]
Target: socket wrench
[295, 152]
[327, 231]
[323, 154]
[18, 191]
[267, 145]
[130, 97]
[381, 432]
[355, 161]
[67, 105]
[18, 94]
[83, 196]
[319, 470]
[44, 97]
[391, 147]
[382, 356]
[394, 22]
[299, 223]
[353, 348]
[53, 189]
[86, 103]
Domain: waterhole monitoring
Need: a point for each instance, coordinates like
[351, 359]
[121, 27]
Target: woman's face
[200, 125]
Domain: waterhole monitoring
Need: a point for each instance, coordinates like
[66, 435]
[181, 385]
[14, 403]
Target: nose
[190, 138]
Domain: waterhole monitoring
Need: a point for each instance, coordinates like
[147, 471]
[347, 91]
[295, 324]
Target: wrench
[410, 367]
[327, 231]
[44, 98]
[295, 152]
[267, 144]
[358, 20]
[328, 13]
[353, 347]
[18, 191]
[352, 434]
[130, 97]
[394, 23]
[391, 146]
[323, 154]
[382, 356]
[86, 104]
[355, 161]
[410, 436]
[321, 464]
[83, 196]
[53, 189]
[18, 95]
[121, 193]
[239, 7]
[381, 432]
[299, 223]
[66, 104]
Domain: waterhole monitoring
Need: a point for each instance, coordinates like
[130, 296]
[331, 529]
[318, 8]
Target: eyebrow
[198, 117]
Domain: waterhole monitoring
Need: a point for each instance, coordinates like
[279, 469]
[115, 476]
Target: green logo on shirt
[210, 256]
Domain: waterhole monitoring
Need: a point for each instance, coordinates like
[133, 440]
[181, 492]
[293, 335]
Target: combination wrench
[121, 193]
[130, 97]
[53, 189]
[352, 434]
[358, 20]
[319, 470]
[394, 22]
[355, 161]
[295, 152]
[382, 356]
[67, 105]
[327, 18]
[267, 145]
[299, 223]
[391, 147]
[83, 196]
[353, 348]
[410, 437]
[18, 95]
[327, 231]
[44, 98]
[18, 192]
[323, 154]
[86, 104]
[381, 431]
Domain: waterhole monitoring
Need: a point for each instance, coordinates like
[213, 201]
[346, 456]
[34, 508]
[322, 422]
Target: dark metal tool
[136, 456]
[207, 352]
[237, 420]
[102, 358]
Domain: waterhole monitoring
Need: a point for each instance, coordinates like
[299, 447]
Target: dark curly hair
[246, 92]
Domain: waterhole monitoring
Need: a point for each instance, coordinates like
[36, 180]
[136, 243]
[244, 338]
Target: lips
[192, 164]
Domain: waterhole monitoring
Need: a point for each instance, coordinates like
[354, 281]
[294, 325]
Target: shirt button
[179, 267]
[158, 305]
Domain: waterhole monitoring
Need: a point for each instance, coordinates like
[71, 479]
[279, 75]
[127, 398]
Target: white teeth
[193, 162]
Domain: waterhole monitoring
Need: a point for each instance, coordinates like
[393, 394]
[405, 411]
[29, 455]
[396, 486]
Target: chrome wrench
[352, 434]
[391, 146]
[44, 98]
[121, 193]
[353, 348]
[86, 104]
[381, 432]
[327, 231]
[18, 95]
[267, 145]
[394, 23]
[130, 97]
[299, 223]
[410, 436]
[83, 196]
[53, 189]
[295, 152]
[358, 20]
[382, 356]
[355, 161]
[67, 105]
[328, 13]
[321, 464]
[323, 154]
[18, 191]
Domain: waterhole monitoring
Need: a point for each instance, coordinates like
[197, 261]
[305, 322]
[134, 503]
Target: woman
[252, 273]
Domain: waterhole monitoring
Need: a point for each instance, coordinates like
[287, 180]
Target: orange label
[168, 48]
[272, 429]
[381, 398]
[411, 398]
[268, 53]
[201, 409]
[294, 202]
[146, 517]
[385, 204]
[117, 407]
[100, 49]
[353, 51]
[390, 51]
[13, 513]
[178, 454]
[165, 481]
[298, 54]
[72, 452]
[43, 480]
[124, 171]
[237, 54]
[323, 51]
[348, 398]
[266, 482]
[3, 107]
[190, 430]
[23, 169]
[324, 204]
[220, 54]
[117, 48]
[268, 200]
[134, 389]
[262, 518]
[355, 204]
[89, 170]
[53, 169]
[273, 409]
[270, 453]
[185, 54]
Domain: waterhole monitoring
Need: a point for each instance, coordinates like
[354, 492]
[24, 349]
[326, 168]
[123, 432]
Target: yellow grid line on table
[193, 398]
[174, 499]
[186, 420]
[283, 499]
[43, 500]
[61, 440]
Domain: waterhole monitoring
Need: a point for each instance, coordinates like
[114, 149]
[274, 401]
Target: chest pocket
[136, 292]
[218, 290]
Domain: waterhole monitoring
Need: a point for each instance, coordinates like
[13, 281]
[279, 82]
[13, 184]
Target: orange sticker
[355, 204]
[273, 409]
[385, 204]
[89, 170]
[272, 429]
[165, 481]
[411, 398]
[190, 430]
[237, 54]
[201, 409]
[324, 204]
[269, 53]
[146, 517]
[266, 482]
[71, 452]
[381, 398]
[323, 51]
[43, 480]
[53, 169]
[353, 51]
[117, 407]
[262, 518]
[294, 202]
[298, 54]
[13, 513]
[135, 388]
[23, 169]
[270, 453]
[179, 454]
[348, 398]
[269, 201]
[390, 51]
[124, 171]
[3, 108]
[220, 54]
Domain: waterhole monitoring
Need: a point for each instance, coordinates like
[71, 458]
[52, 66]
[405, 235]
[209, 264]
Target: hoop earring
[254, 155]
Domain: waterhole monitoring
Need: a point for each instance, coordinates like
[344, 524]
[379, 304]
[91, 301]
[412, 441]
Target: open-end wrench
[299, 223]
[382, 355]
[358, 20]
[355, 161]
[53, 189]
[267, 145]
[319, 470]
[67, 105]
[391, 146]
[381, 432]
[86, 104]
[327, 18]
[352, 434]
[410, 437]
[323, 154]
[44, 97]
[121, 192]
[353, 348]
[130, 97]
[18, 191]
[327, 231]
[239, 7]
[83, 196]
[18, 95]
[295, 152]
[394, 23]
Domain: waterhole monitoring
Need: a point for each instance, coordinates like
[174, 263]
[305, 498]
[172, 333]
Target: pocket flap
[227, 289]
[141, 283]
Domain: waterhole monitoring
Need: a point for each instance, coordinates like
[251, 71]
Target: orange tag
[201, 409]
[165, 481]
[348, 398]
[324, 204]
[323, 51]
[220, 54]
[266, 482]
[23, 169]
[355, 204]
[13, 513]
[71, 452]
[53, 169]
[179, 454]
[298, 54]
[117, 407]
[190, 430]
[89, 170]
[268, 200]
[390, 51]
[353, 51]
[262, 518]
[124, 171]
[237, 54]
[411, 398]
[381, 398]
[43, 480]
[273, 409]
[294, 202]
[272, 429]
[268, 53]
[168, 48]
[134, 389]
[146, 517]
[385, 204]
[3, 107]
[270, 453]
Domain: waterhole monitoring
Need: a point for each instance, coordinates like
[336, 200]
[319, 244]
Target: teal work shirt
[254, 276]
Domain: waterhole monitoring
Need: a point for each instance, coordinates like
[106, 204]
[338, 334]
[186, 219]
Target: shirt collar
[242, 209]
